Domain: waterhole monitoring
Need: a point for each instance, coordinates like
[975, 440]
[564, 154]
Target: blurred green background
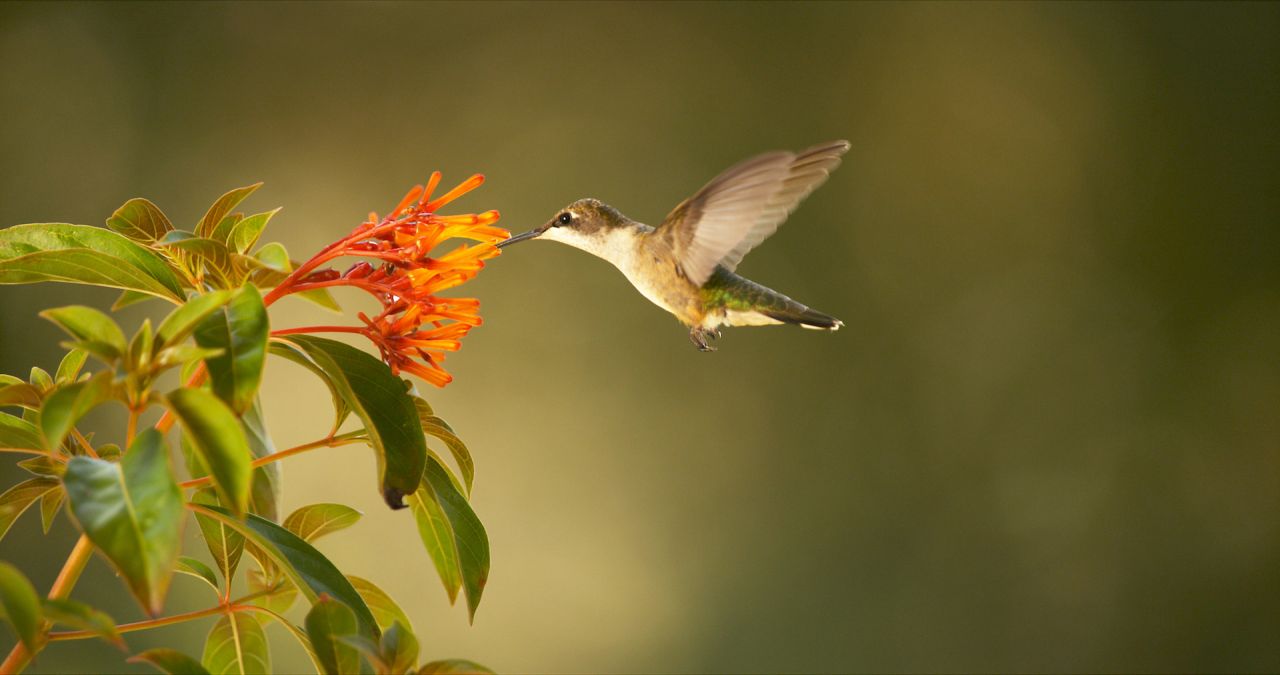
[1047, 440]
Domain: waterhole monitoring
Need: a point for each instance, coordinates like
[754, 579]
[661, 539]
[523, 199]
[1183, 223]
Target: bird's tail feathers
[806, 317]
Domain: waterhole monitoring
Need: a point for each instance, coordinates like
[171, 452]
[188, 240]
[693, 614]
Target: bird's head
[587, 224]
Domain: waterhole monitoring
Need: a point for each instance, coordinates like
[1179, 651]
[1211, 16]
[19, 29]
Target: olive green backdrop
[1047, 439]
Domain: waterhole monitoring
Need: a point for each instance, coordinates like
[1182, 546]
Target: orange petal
[463, 188]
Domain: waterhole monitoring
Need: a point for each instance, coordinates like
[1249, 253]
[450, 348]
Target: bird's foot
[699, 338]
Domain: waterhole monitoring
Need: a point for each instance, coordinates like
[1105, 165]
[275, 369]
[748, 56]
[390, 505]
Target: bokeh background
[1047, 440]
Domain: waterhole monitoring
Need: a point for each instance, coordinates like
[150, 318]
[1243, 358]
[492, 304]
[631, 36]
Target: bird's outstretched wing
[743, 206]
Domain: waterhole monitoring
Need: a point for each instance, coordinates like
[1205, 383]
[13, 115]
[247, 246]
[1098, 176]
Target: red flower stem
[329, 442]
[321, 329]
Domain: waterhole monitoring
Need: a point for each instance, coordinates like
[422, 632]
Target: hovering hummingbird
[686, 264]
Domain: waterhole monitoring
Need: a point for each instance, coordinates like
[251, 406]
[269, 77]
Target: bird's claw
[699, 338]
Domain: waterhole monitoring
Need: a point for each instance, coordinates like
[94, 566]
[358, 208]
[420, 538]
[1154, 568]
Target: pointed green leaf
[454, 667]
[87, 324]
[140, 220]
[140, 348]
[437, 538]
[128, 298]
[21, 606]
[132, 512]
[434, 426]
[80, 616]
[399, 648]
[194, 568]
[225, 544]
[380, 400]
[225, 226]
[16, 432]
[215, 254]
[217, 436]
[273, 256]
[385, 610]
[69, 368]
[21, 394]
[316, 520]
[170, 661]
[223, 206]
[245, 234]
[86, 255]
[40, 378]
[182, 321]
[43, 465]
[50, 503]
[65, 406]
[328, 620]
[240, 329]
[468, 533]
[264, 493]
[309, 570]
[237, 645]
[20, 497]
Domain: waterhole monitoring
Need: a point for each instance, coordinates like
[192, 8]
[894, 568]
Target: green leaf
[132, 511]
[66, 405]
[194, 568]
[245, 234]
[240, 329]
[399, 648]
[43, 465]
[50, 503]
[87, 324]
[385, 610]
[328, 620]
[86, 255]
[21, 606]
[128, 298]
[140, 220]
[223, 206]
[225, 544]
[182, 321]
[316, 520]
[437, 538]
[170, 661]
[17, 499]
[228, 223]
[340, 408]
[80, 616]
[380, 400]
[367, 648]
[16, 432]
[214, 253]
[309, 570]
[41, 379]
[454, 667]
[264, 493]
[22, 395]
[236, 645]
[69, 368]
[218, 438]
[434, 426]
[273, 256]
[141, 348]
[279, 600]
[468, 533]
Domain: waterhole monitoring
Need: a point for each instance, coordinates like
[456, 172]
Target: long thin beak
[520, 237]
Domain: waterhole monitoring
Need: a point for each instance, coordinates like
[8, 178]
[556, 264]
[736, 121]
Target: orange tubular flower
[416, 327]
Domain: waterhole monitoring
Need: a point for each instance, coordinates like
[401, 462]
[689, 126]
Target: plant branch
[236, 605]
[84, 443]
[327, 442]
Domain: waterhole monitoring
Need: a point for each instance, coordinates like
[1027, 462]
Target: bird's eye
[564, 218]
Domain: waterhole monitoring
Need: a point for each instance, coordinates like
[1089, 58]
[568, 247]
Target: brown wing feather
[742, 206]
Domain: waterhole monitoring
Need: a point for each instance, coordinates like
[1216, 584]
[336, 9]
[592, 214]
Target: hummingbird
[686, 264]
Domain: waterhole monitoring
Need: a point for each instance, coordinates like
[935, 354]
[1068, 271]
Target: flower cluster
[416, 327]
